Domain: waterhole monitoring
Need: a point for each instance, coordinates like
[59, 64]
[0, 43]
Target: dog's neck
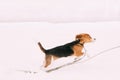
[81, 44]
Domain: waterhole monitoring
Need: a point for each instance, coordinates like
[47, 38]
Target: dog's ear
[78, 37]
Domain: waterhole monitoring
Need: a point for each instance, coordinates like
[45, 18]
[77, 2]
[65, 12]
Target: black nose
[94, 38]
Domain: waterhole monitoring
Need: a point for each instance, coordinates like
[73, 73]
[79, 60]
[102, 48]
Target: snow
[19, 51]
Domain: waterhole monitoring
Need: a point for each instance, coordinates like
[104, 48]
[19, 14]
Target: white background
[59, 10]
[19, 50]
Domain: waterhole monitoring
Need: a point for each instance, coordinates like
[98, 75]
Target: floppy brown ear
[78, 37]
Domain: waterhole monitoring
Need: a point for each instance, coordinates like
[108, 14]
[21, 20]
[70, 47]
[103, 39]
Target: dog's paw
[77, 58]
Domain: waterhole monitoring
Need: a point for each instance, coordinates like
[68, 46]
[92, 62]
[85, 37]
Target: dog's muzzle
[94, 39]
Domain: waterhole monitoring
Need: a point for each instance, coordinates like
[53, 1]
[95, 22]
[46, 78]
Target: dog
[73, 48]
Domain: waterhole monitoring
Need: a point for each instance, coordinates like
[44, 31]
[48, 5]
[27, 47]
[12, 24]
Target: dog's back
[60, 51]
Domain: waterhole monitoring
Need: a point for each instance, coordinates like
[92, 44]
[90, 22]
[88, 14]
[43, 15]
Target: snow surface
[19, 50]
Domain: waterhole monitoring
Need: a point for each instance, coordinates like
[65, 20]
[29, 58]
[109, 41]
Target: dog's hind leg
[48, 59]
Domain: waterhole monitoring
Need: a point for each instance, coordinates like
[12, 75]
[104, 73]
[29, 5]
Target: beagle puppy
[73, 48]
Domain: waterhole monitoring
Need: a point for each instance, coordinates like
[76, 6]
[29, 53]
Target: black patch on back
[64, 50]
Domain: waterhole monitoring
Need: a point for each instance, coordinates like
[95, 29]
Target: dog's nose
[94, 39]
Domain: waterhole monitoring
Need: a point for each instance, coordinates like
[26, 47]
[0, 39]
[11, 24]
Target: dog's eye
[90, 37]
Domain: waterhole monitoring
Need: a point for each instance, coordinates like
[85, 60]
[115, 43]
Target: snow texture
[20, 53]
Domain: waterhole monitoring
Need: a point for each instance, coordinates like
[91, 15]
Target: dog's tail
[41, 47]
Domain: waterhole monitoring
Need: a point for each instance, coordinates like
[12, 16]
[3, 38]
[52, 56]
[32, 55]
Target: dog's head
[84, 38]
